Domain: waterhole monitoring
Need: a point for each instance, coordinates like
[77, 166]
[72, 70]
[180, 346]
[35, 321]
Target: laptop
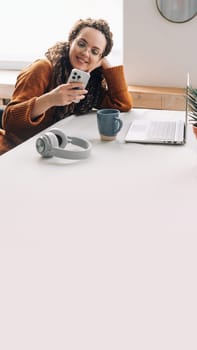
[164, 131]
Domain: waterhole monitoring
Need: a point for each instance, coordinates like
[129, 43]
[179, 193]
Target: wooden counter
[143, 96]
[158, 97]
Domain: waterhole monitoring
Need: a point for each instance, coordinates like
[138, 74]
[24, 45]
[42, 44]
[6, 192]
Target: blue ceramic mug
[109, 123]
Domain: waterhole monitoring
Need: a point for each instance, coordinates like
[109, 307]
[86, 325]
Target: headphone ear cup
[46, 143]
[62, 139]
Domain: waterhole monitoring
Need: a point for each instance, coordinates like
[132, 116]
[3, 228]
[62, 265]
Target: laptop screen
[187, 102]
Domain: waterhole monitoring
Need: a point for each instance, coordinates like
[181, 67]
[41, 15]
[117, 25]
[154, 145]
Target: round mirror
[177, 11]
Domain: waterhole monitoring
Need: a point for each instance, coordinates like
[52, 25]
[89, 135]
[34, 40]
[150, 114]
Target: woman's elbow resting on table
[124, 104]
[127, 103]
[126, 107]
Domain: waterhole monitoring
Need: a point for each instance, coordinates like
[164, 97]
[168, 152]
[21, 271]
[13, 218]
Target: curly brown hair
[99, 24]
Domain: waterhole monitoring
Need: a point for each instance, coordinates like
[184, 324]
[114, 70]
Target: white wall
[28, 31]
[155, 51]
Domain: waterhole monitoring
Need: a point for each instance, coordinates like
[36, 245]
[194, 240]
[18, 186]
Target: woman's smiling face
[87, 48]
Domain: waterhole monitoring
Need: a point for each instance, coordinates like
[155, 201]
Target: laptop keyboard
[162, 130]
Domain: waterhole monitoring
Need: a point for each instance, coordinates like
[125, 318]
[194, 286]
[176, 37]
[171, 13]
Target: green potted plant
[192, 108]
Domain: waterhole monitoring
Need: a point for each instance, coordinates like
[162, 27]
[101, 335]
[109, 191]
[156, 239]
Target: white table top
[99, 253]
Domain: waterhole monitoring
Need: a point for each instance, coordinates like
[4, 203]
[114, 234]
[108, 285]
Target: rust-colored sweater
[34, 81]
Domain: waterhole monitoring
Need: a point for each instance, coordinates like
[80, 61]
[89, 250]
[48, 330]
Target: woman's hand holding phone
[65, 94]
[79, 80]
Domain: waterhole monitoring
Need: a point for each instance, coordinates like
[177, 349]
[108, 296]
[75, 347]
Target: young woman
[42, 95]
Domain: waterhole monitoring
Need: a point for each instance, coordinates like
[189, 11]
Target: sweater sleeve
[116, 95]
[32, 82]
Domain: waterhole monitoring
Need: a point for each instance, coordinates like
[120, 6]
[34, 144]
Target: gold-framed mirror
[177, 11]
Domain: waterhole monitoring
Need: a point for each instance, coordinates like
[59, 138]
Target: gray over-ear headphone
[52, 143]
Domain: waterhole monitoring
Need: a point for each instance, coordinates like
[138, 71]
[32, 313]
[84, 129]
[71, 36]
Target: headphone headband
[52, 143]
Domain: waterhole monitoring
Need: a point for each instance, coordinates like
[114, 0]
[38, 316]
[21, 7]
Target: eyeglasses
[83, 45]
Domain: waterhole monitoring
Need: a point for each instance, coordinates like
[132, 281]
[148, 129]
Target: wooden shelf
[143, 96]
[158, 97]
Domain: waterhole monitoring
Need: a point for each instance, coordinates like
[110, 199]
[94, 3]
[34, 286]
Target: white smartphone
[78, 75]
